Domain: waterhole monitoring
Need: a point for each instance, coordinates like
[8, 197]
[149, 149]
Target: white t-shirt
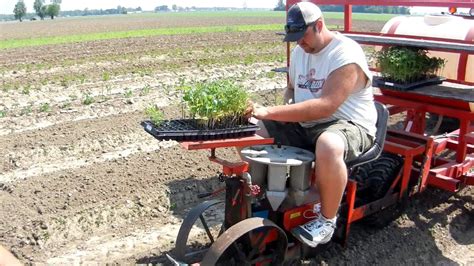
[308, 73]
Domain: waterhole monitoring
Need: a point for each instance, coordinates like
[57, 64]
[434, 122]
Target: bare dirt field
[82, 182]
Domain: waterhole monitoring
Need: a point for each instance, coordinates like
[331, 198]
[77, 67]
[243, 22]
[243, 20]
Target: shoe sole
[296, 232]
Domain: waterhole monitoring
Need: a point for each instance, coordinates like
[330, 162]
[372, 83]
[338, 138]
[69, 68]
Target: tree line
[41, 9]
[52, 9]
[120, 10]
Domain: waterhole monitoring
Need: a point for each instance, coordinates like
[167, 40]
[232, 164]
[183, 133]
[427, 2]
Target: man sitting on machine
[330, 110]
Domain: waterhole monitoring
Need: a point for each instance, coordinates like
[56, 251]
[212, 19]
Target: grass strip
[214, 14]
[260, 14]
[19, 43]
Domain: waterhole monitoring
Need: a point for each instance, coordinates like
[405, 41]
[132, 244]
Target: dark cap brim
[294, 36]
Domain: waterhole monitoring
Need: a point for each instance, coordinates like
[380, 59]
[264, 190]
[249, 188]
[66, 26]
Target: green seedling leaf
[220, 103]
[155, 114]
[407, 64]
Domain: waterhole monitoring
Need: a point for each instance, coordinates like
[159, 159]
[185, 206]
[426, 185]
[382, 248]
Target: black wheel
[210, 226]
[375, 179]
[246, 243]
[438, 124]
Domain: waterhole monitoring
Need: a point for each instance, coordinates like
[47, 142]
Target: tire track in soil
[155, 240]
[59, 212]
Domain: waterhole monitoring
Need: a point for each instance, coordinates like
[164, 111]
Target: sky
[7, 6]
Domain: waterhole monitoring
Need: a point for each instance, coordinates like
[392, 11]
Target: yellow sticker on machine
[295, 215]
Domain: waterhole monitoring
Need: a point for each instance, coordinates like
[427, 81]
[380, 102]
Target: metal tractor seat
[376, 149]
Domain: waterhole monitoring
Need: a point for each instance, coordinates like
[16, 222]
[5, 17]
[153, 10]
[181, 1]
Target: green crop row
[260, 14]
[213, 14]
[18, 43]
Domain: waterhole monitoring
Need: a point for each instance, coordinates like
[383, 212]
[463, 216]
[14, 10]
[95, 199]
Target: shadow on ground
[410, 240]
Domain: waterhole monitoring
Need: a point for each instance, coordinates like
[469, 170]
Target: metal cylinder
[276, 176]
[258, 172]
[300, 176]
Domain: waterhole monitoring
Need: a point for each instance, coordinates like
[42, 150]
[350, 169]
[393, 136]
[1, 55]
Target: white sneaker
[315, 232]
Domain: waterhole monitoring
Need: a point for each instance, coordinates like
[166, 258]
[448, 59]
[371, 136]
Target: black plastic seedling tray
[382, 83]
[190, 130]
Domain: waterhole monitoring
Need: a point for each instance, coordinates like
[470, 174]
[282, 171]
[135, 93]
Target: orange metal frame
[237, 169]
[413, 146]
[228, 168]
[435, 170]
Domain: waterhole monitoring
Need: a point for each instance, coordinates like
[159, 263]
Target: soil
[83, 182]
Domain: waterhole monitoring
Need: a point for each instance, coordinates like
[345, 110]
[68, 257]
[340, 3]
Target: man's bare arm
[337, 88]
[7, 259]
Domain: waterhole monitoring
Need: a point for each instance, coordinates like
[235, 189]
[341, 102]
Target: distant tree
[162, 8]
[19, 10]
[38, 8]
[280, 6]
[53, 10]
[121, 10]
[44, 10]
[174, 7]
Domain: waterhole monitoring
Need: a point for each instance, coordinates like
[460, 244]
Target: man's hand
[259, 111]
[249, 111]
[255, 110]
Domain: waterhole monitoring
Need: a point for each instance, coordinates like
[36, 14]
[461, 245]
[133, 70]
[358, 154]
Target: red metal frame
[417, 105]
[296, 216]
[414, 146]
[228, 168]
[469, 39]
[427, 3]
[433, 3]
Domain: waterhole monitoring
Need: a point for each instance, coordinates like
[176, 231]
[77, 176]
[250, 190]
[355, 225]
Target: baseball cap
[300, 15]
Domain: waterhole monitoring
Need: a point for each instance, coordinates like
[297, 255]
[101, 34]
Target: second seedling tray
[382, 83]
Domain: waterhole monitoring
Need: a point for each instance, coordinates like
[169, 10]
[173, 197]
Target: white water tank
[439, 26]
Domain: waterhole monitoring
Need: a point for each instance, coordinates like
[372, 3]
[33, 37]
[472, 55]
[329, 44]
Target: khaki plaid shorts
[356, 140]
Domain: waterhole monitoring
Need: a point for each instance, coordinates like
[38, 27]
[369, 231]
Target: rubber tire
[375, 179]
